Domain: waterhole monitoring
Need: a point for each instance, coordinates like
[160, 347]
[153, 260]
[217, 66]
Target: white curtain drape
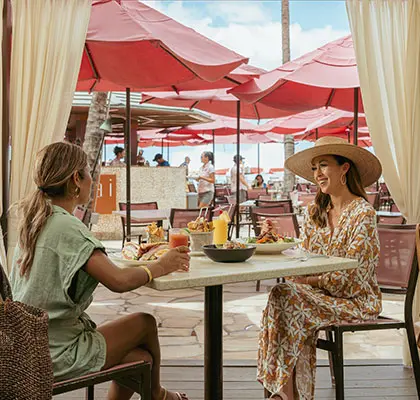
[47, 47]
[386, 36]
[3, 259]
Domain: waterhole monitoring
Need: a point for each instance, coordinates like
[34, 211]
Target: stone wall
[166, 185]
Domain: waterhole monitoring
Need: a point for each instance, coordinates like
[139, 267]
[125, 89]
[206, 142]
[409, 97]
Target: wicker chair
[135, 376]
[255, 193]
[397, 274]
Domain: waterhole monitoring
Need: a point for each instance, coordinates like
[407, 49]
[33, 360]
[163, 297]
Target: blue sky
[253, 29]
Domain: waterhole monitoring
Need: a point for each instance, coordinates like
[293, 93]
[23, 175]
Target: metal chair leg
[414, 352]
[90, 393]
[258, 286]
[339, 365]
[331, 357]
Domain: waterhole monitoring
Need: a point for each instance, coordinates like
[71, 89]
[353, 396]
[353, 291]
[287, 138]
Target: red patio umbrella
[215, 101]
[130, 44]
[320, 118]
[275, 170]
[322, 78]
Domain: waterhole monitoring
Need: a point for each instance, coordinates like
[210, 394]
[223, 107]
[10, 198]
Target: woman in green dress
[57, 265]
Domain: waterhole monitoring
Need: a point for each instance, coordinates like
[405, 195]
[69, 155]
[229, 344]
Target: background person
[186, 163]
[243, 184]
[141, 161]
[161, 162]
[340, 223]
[259, 182]
[206, 180]
[57, 265]
[119, 155]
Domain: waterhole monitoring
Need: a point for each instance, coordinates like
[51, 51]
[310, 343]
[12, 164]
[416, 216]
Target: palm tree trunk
[98, 113]
[289, 141]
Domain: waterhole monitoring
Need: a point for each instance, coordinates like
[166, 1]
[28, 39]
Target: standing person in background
[119, 155]
[206, 180]
[186, 163]
[243, 184]
[161, 162]
[141, 161]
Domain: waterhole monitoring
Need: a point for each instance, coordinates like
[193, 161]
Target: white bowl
[274, 248]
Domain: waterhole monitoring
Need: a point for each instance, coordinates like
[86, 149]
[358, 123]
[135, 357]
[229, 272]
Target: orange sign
[106, 200]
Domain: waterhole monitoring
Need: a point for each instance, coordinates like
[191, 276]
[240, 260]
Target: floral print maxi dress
[295, 312]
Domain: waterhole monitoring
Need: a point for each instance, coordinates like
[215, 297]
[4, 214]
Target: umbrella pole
[162, 148]
[105, 152]
[128, 159]
[258, 158]
[356, 115]
[214, 163]
[168, 152]
[238, 163]
[316, 134]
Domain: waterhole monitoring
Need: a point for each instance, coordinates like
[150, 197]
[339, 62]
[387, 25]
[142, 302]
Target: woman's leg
[134, 338]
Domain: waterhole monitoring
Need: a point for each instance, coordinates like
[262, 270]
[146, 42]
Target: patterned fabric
[295, 312]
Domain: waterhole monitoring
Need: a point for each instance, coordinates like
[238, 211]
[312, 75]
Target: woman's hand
[174, 260]
[197, 178]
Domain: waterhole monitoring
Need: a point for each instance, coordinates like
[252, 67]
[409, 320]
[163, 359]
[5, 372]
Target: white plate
[272, 248]
[123, 263]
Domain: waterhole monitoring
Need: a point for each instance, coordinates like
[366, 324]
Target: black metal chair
[135, 376]
[397, 274]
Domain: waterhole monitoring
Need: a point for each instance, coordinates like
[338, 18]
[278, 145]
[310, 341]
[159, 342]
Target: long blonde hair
[318, 212]
[55, 166]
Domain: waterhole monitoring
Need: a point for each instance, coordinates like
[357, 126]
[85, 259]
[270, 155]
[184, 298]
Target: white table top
[388, 214]
[145, 215]
[248, 203]
[205, 272]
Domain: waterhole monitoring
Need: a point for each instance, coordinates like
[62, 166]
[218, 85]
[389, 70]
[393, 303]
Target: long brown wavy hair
[55, 167]
[318, 212]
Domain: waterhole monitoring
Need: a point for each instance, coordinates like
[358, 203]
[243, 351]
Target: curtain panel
[47, 46]
[386, 36]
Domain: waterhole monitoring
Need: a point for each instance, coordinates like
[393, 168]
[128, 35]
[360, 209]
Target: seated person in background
[161, 162]
[341, 223]
[57, 265]
[243, 184]
[119, 155]
[259, 182]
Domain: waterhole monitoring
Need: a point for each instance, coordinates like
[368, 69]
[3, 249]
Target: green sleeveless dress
[58, 284]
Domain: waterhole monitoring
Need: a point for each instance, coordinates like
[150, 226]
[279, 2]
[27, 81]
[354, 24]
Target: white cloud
[248, 29]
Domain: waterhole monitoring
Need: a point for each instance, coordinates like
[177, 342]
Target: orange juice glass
[220, 233]
[177, 238]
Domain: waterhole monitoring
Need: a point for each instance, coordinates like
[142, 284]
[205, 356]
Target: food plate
[123, 263]
[273, 248]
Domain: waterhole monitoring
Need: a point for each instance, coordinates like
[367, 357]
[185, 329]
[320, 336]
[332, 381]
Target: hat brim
[367, 164]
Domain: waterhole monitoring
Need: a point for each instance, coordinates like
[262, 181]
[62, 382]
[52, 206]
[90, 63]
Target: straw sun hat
[367, 164]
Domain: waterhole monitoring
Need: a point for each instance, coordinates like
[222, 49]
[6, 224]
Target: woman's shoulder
[363, 208]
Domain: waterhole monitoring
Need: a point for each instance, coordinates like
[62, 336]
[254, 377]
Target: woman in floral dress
[340, 223]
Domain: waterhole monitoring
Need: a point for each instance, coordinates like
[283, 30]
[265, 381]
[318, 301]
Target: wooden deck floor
[374, 380]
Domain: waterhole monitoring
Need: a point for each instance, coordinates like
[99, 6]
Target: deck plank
[371, 382]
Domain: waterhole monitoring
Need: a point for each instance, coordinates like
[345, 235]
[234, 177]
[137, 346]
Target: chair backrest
[397, 255]
[285, 205]
[383, 189]
[306, 198]
[285, 224]
[391, 220]
[151, 205]
[373, 198]
[255, 193]
[394, 208]
[313, 188]
[180, 217]
[221, 191]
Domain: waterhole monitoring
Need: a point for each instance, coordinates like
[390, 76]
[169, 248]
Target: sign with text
[106, 200]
